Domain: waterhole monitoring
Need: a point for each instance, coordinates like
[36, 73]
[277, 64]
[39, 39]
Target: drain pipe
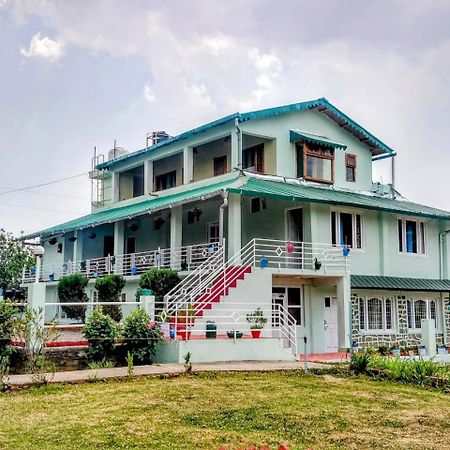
[442, 240]
[224, 195]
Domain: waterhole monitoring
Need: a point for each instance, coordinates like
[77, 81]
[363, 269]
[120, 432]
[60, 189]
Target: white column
[188, 165]
[235, 149]
[429, 336]
[148, 305]
[234, 224]
[115, 187]
[176, 236]
[148, 177]
[344, 300]
[78, 246]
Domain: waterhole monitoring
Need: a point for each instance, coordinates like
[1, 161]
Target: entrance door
[294, 232]
[330, 325]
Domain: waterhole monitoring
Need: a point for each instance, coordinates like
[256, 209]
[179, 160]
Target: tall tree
[14, 255]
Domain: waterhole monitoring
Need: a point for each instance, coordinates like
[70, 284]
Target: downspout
[393, 176]
[442, 240]
[224, 195]
[239, 140]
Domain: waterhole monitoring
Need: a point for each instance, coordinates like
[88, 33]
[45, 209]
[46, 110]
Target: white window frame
[420, 251]
[428, 300]
[301, 307]
[384, 329]
[210, 226]
[338, 228]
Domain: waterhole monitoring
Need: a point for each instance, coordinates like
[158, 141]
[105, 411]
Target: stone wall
[402, 337]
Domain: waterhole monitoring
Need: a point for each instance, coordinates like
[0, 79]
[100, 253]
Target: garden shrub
[7, 321]
[109, 289]
[359, 361]
[141, 336]
[160, 281]
[71, 289]
[102, 332]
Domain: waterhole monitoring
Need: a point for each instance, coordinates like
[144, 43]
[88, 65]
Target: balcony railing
[186, 258]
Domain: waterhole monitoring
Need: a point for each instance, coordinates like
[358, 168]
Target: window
[166, 180]
[213, 232]
[376, 314]
[290, 299]
[346, 229]
[411, 236]
[131, 183]
[220, 165]
[350, 167]
[315, 163]
[419, 309]
[257, 204]
[253, 159]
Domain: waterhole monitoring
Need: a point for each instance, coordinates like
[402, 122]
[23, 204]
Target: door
[108, 246]
[291, 299]
[330, 325]
[294, 232]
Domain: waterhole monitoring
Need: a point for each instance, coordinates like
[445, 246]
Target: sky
[79, 74]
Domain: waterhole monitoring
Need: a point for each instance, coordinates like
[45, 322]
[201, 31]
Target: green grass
[234, 410]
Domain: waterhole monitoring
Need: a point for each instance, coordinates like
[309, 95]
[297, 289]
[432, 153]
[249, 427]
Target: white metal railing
[184, 324]
[214, 277]
[181, 258]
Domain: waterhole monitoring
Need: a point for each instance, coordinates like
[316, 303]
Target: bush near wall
[7, 321]
[71, 289]
[141, 336]
[109, 289]
[160, 281]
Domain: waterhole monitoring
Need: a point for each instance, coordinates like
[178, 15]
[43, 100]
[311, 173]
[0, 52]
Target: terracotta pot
[256, 333]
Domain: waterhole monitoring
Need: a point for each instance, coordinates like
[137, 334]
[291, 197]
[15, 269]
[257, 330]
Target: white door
[330, 325]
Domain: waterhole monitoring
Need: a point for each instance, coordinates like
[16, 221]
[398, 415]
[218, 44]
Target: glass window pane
[333, 228]
[388, 312]
[362, 314]
[400, 235]
[318, 168]
[346, 229]
[433, 312]
[375, 314]
[358, 231]
[420, 312]
[411, 236]
[410, 321]
[422, 238]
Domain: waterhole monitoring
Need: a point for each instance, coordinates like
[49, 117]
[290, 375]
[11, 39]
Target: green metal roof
[399, 283]
[322, 105]
[305, 136]
[299, 191]
[113, 214]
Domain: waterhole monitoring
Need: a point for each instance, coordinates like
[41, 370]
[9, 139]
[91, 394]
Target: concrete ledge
[212, 350]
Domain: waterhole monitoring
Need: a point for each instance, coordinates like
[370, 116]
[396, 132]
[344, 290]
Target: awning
[298, 191]
[305, 136]
[161, 201]
[399, 283]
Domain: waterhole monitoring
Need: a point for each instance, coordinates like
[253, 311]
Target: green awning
[399, 283]
[162, 201]
[305, 136]
[299, 191]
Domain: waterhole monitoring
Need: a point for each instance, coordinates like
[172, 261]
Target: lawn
[210, 410]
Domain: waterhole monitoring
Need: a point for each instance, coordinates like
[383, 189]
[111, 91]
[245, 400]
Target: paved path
[165, 369]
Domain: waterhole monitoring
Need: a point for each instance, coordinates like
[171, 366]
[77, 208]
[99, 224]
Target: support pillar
[176, 237]
[344, 304]
[148, 177]
[234, 224]
[188, 165]
[236, 140]
[78, 246]
[118, 243]
[429, 336]
[148, 305]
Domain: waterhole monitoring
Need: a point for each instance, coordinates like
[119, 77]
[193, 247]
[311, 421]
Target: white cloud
[215, 44]
[44, 48]
[149, 94]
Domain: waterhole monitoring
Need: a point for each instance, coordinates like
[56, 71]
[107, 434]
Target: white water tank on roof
[114, 153]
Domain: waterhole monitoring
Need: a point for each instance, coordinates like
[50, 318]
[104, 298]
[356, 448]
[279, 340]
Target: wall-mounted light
[133, 225]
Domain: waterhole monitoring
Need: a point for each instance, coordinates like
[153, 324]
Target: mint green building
[272, 209]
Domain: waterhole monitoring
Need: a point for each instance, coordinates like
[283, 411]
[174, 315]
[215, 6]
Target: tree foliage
[160, 281]
[109, 289]
[7, 327]
[71, 289]
[13, 257]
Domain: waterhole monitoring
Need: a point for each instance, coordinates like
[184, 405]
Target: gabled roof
[321, 105]
[295, 190]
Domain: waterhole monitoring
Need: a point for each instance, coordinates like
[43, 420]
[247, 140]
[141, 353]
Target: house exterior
[273, 209]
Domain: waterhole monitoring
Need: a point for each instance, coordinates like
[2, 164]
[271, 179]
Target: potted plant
[211, 330]
[396, 351]
[422, 350]
[232, 334]
[257, 321]
[442, 350]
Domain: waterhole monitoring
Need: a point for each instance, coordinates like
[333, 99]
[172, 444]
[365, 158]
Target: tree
[71, 289]
[160, 281]
[109, 289]
[14, 256]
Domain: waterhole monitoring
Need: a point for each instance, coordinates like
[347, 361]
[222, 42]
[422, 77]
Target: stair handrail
[209, 275]
[289, 331]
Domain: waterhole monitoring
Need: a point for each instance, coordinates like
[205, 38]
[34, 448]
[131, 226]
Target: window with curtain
[347, 229]
[411, 236]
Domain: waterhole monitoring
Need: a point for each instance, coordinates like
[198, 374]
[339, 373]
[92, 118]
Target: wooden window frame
[308, 151]
[257, 148]
[350, 163]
